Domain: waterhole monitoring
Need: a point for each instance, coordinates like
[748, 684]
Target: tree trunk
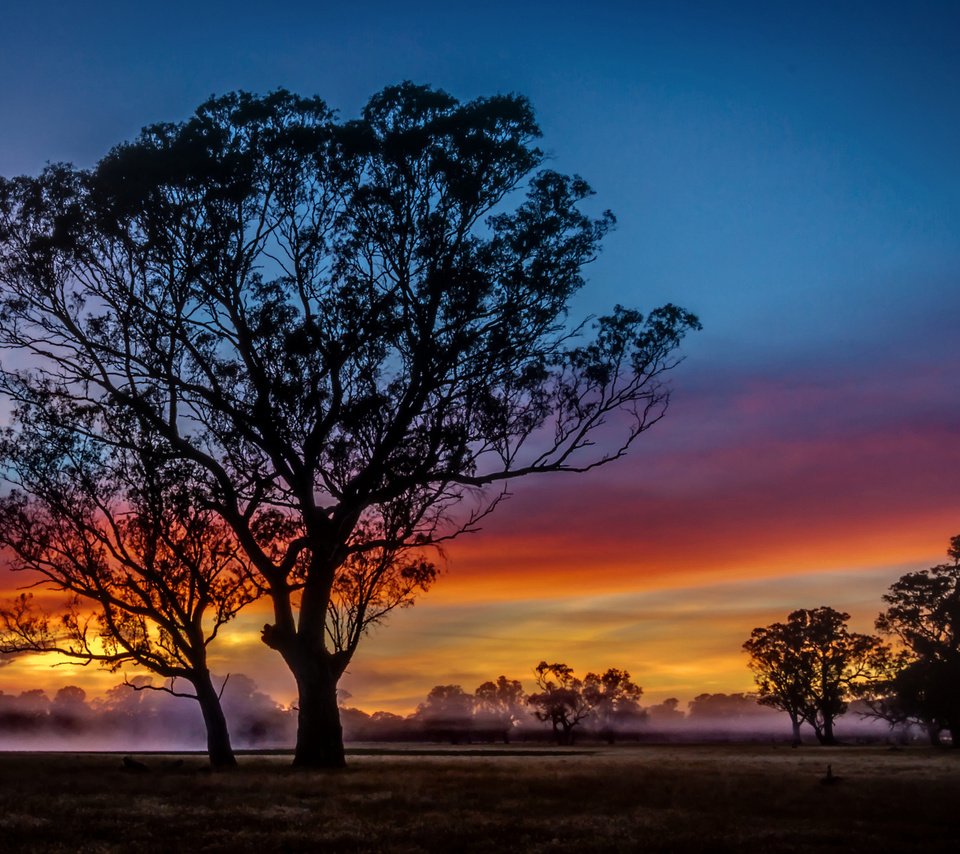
[218, 736]
[315, 668]
[954, 730]
[319, 733]
[828, 737]
[795, 723]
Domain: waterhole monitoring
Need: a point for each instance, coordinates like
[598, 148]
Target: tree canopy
[502, 703]
[923, 615]
[565, 701]
[614, 699]
[350, 329]
[807, 666]
[151, 577]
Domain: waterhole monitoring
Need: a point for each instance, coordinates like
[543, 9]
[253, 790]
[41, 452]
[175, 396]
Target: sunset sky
[789, 171]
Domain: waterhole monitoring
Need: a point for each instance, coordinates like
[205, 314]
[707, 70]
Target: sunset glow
[789, 175]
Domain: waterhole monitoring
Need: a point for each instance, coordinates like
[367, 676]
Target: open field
[632, 798]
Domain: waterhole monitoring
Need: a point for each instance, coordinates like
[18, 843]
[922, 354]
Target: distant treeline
[136, 716]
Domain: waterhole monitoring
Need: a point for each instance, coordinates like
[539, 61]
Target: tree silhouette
[923, 614]
[447, 713]
[614, 700]
[69, 711]
[807, 666]
[561, 700]
[502, 704]
[348, 326]
[666, 713]
[782, 670]
[28, 711]
[895, 691]
[737, 706]
[152, 577]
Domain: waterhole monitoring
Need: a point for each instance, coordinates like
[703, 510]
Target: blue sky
[786, 169]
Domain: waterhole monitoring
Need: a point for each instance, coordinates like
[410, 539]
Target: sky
[786, 170]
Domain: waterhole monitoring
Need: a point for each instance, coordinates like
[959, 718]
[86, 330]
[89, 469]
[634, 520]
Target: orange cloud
[751, 500]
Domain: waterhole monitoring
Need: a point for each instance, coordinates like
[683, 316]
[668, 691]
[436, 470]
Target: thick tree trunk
[828, 737]
[319, 733]
[315, 668]
[218, 736]
[795, 723]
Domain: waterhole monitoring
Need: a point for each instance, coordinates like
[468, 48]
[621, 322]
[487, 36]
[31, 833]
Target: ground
[630, 798]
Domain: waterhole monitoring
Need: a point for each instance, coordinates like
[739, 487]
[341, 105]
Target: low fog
[136, 716]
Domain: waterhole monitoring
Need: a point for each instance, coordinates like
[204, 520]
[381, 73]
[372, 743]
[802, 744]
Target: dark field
[686, 798]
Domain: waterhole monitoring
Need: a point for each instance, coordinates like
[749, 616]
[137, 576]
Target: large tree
[923, 614]
[349, 327]
[150, 577]
[807, 667]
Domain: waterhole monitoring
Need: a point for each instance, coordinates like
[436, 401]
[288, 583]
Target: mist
[138, 717]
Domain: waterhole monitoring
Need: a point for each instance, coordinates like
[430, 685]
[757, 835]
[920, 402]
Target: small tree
[561, 700]
[152, 577]
[614, 700]
[501, 704]
[668, 713]
[807, 666]
[447, 712]
[69, 711]
[737, 706]
[923, 614]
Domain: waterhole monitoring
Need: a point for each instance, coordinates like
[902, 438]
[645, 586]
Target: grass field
[632, 798]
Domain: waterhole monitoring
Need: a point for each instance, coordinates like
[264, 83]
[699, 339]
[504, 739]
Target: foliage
[560, 701]
[564, 700]
[807, 666]
[151, 577]
[614, 700]
[502, 703]
[922, 682]
[445, 706]
[666, 713]
[120, 535]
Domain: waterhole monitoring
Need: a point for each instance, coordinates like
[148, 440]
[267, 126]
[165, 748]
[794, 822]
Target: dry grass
[689, 798]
